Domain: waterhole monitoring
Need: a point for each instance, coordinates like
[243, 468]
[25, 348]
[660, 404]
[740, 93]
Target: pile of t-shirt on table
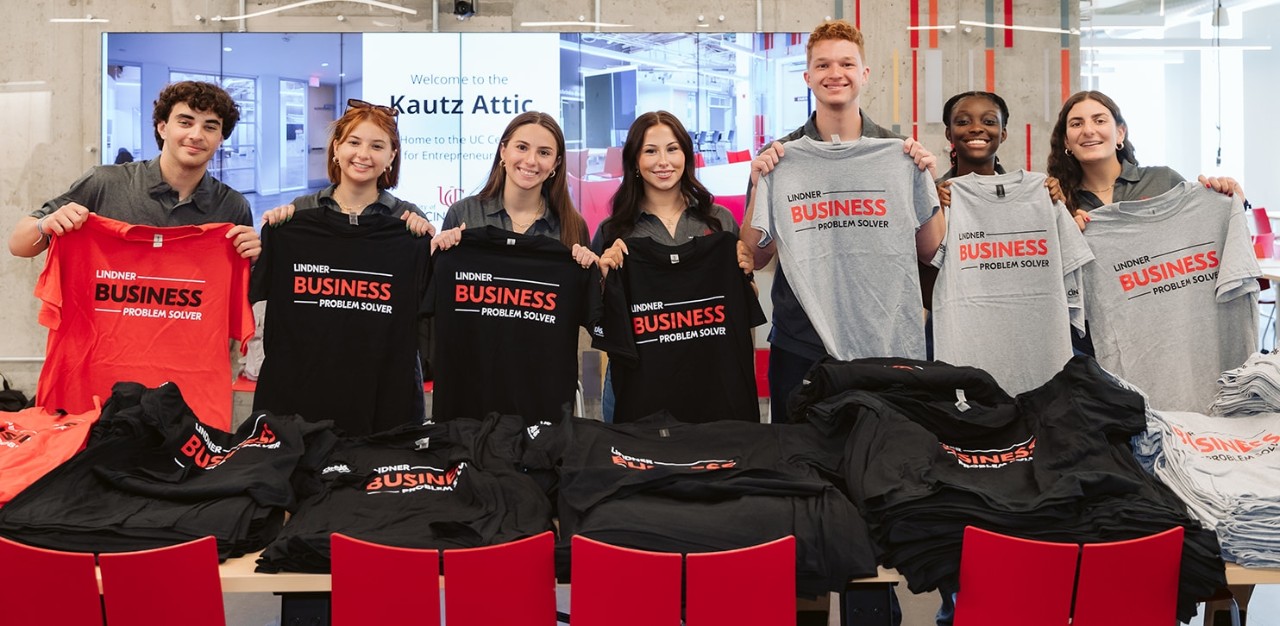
[1251, 388]
[439, 485]
[153, 475]
[661, 485]
[927, 448]
[34, 441]
[1225, 469]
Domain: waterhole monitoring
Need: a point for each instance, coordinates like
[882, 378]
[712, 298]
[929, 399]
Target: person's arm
[31, 235]
[929, 237]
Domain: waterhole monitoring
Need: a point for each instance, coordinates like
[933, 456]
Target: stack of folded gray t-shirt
[1251, 388]
[1224, 468]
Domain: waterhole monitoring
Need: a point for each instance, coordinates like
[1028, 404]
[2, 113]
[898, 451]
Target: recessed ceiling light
[324, 65]
[227, 49]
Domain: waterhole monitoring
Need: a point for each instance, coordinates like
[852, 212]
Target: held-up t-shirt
[140, 303]
[845, 217]
[1010, 272]
[507, 310]
[1169, 296]
[341, 340]
[677, 325]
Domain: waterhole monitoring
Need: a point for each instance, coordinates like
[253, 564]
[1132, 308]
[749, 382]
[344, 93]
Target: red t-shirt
[145, 304]
[32, 442]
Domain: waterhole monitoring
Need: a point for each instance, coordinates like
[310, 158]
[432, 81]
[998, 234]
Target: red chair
[48, 587]
[415, 595]
[753, 586]
[738, 156]
[1134, 582]
[613, 585]
[699, 160]
[612, 162]
[511, 584]
[1007, 581]
[172, 585]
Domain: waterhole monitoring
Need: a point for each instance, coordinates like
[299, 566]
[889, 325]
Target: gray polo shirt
[649, 225]
[1134, 183]
[478, 213]
[136, 193]
[386, 204]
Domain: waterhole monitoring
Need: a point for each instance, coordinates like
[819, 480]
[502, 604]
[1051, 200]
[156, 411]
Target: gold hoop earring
[1120, 147]
[553, 174]
[1066, 151]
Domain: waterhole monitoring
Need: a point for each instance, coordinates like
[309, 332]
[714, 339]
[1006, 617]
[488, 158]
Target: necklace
[523, 226]
[670, 221]
[352, 209]
[1103, 190]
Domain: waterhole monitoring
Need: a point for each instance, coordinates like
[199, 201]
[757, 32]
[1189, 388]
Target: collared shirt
[651, 226]
[1133, 183]
[386, 204]
[136, 193]
[476, 213]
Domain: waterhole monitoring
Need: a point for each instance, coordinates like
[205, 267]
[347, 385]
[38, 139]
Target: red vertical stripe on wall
[1008, 21]
[857, 14]
[1028, 147]
[1066, 74]
[991, 70]
[933, 21]
[915, 21]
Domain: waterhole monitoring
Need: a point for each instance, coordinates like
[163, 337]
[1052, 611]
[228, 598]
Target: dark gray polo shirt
[649, 225]
[1134, 183]
[477, 213]
[135, 193]
[386, 204]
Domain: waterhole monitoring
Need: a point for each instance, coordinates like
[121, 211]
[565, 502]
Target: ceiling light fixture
[1035, 29]
[549, 24]
[87, 19]
[1220, 17]
[303, 3]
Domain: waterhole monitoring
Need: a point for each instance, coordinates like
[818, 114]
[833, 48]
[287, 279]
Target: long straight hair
[1063, 165]
[628, 200]
[555, 190]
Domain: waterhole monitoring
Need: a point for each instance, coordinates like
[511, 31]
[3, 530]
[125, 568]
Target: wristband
[40, 230]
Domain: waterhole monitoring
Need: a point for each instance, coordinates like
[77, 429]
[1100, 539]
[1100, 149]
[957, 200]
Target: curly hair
[200, 96]
[839, 30]
[1062, 164]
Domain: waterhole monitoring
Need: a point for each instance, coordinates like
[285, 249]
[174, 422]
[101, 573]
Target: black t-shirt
[341, 330]
[750, 482]
[152, 475]
[677, 326]
[507, 310]
[450, 485]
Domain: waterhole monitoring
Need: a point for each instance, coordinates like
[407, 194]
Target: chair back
[1131, 582]
[356, 563]
[738, 156]
[47, 586]
[612, 162]
[510, 584]
[754, 586]
[176, 584]
[1261, 221]
[609, 581]
[1007, 581]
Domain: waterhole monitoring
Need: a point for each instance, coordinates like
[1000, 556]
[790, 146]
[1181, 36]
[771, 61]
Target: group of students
[1092, 163]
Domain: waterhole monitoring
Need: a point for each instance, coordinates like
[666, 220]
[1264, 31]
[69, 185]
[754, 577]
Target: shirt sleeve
[1239, 271]
[1075, 254]
[762, 218]
[616, 337]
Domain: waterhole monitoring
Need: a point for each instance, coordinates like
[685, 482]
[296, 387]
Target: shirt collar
[495, 208]
[869, 128]
[385, 204]
[201, 198]
[1129, 172]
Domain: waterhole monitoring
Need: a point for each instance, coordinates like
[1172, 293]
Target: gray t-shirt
[136, 193]
[845, 217]
[1170, 296]
[1010, 275]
